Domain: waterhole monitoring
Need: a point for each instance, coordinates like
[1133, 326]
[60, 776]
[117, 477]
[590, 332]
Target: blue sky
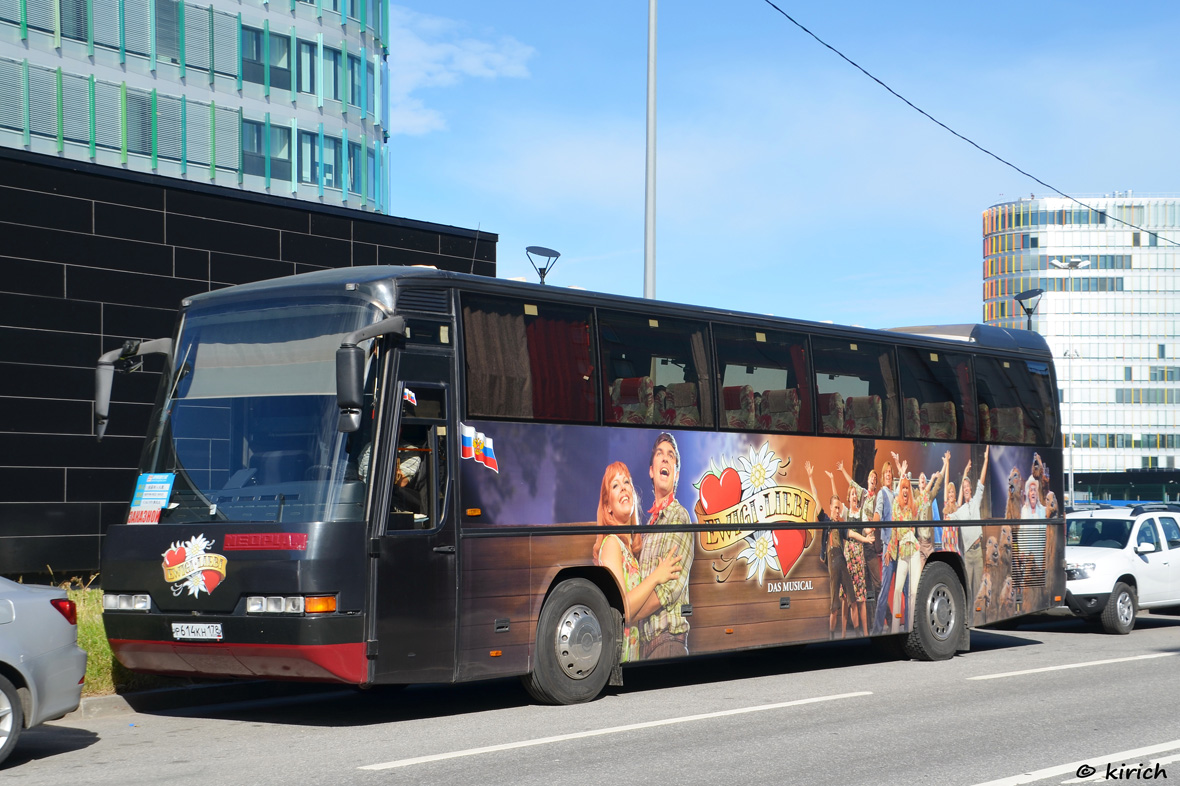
[788, 182]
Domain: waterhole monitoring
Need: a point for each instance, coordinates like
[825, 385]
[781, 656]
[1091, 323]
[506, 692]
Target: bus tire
[1119, 615]
[575, 647]
[939, 614]
[12, 719]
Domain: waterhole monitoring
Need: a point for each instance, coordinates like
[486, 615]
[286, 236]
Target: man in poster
[664, 630]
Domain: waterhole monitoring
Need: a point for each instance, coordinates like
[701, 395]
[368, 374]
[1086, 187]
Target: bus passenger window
[528, 360]
[937, 401]
[764, 381]
[856, 383]
[655, 371]
[1016, 401]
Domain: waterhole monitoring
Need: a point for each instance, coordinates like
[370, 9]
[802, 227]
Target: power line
[944, 126]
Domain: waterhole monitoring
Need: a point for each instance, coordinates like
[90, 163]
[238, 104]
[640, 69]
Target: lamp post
[649, 202]
[1070, 266]
[550, 259]
[1028, 300]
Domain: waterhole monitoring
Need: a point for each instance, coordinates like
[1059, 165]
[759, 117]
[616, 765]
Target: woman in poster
[855, 542]
[903, 548]
[618, 506]
[865, 546]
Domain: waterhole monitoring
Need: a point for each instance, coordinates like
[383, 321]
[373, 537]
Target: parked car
[41, 665]
[1120, 560]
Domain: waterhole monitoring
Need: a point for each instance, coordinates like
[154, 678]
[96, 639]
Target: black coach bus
[394, 475]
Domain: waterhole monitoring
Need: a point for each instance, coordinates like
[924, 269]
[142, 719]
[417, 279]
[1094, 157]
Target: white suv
[1119, 560]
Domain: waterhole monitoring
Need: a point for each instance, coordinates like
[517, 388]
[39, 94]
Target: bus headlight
[274, 604]
[1078, 570]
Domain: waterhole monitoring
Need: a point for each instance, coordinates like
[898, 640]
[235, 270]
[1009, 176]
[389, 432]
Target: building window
[1126, 373]
[73, 19]
[306, 65]
[354, 9]
[1135, 239]
[1162, 351]
[355, 162]
[280, 62]
[253, 153]
[332, 73]
[354, 80]
[280, 152]
[332, 163]
[252, 68]
[309, 154]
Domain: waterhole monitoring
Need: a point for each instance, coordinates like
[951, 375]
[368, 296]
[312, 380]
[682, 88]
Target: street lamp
[1070, 266]
[1028, 300]
[550, 259]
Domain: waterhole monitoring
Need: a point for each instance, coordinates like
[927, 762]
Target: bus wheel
[938, 614]
[575, 647]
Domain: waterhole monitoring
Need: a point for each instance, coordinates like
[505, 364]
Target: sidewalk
[163, 699]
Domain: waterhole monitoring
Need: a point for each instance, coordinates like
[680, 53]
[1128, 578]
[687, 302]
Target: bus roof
[378, 282]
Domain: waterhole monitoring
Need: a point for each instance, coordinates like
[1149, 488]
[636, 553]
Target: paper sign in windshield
[152, 491]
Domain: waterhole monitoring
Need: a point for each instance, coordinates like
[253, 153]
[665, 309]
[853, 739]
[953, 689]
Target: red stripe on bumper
[315, 663]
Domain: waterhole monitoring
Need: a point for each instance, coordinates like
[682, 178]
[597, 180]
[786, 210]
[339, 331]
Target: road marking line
[1071, 666]
[612, 730]
[1100, 775]
[1072, 767]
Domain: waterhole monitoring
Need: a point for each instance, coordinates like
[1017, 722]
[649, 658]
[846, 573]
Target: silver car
[41, 665]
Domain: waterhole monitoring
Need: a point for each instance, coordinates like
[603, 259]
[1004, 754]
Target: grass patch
[104, 674]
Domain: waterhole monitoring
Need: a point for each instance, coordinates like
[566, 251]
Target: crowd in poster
[878, 510]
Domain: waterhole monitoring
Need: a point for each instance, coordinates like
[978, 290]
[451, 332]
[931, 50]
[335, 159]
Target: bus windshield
[247, 421]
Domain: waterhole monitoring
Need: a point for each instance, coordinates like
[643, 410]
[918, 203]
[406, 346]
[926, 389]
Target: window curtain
[705, 395]
[499, 382]
[559, 357]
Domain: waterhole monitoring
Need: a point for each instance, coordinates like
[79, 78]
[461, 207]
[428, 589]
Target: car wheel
[1119, 615]
[938, 614]
[12, 718]
[575, 648]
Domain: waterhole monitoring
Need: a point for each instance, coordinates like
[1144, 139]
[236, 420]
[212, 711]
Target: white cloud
[434, 52]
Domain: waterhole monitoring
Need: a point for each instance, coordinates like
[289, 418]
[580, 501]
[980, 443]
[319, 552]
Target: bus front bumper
[329, 649]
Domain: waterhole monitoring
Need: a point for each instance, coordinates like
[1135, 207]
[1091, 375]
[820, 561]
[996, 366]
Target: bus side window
[765, 386]
[419, 471]
[1016, 401]
[528, 360]
[856, 386]
[937, 401]
[655, 371]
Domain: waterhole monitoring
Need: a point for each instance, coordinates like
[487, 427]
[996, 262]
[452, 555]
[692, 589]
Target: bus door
[414, 587]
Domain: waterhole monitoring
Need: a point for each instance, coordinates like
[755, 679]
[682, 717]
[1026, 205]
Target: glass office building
[282, 97]
[1111, 315]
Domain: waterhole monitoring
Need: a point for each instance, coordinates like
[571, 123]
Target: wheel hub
[578, 643]
[941, 612]
[1126, 608]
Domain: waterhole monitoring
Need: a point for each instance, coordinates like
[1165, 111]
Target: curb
[162, 699]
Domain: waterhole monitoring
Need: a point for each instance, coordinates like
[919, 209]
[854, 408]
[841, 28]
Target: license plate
[193, 631]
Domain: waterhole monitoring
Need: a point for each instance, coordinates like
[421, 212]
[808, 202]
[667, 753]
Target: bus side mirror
[122, 359]
[350, 383]
[350, 370]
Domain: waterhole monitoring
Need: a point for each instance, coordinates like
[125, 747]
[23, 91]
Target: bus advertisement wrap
[768, 538]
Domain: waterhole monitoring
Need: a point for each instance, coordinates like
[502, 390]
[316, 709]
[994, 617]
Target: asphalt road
[1050, 698]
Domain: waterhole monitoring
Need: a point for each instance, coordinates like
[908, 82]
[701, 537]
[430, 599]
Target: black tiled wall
[91, 256]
